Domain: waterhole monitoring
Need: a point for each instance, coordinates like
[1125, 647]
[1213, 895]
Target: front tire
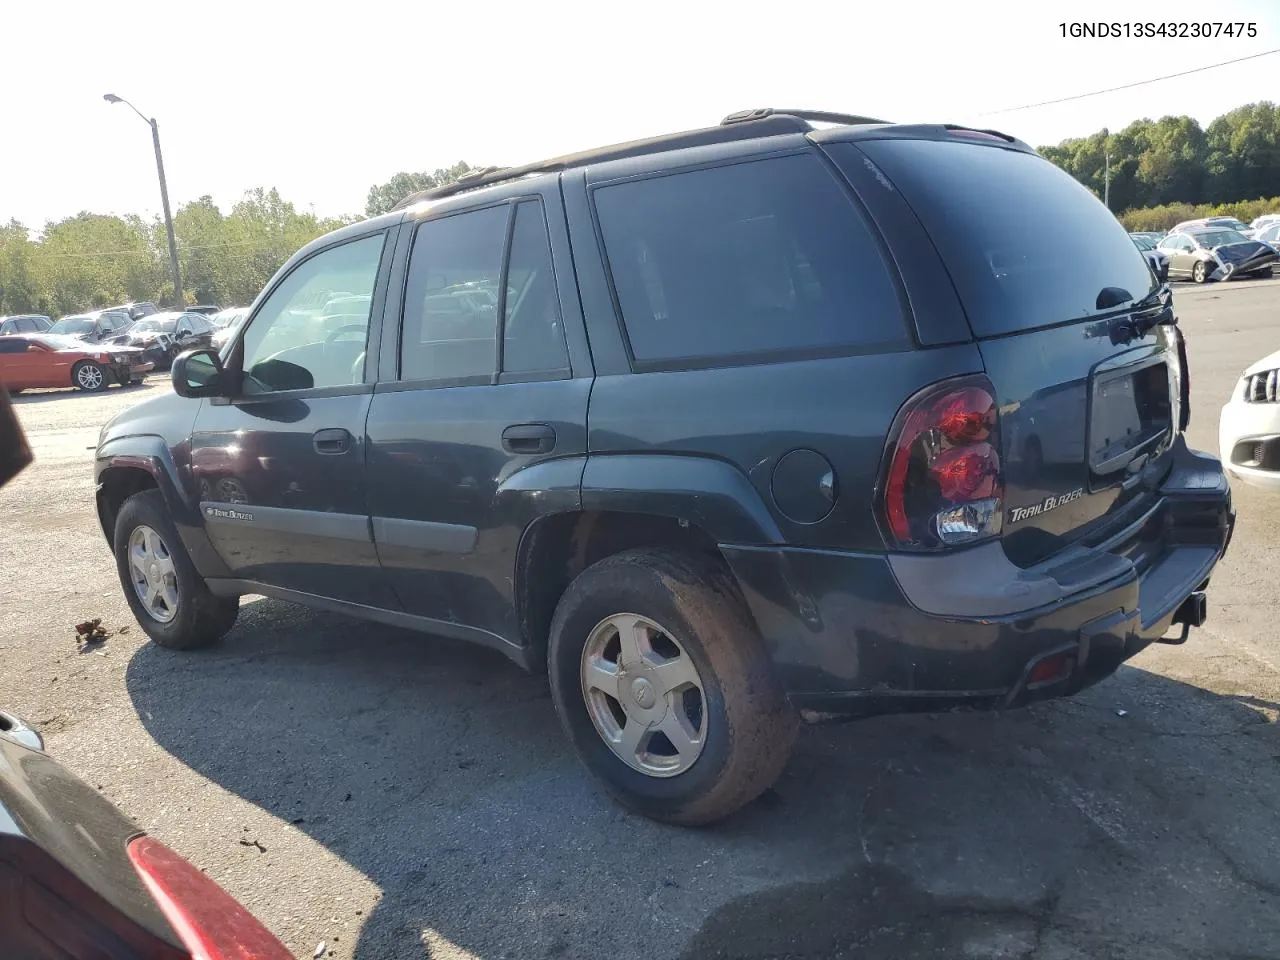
[89, 377]
[169, 599]
[664, 686]
[1200, 272]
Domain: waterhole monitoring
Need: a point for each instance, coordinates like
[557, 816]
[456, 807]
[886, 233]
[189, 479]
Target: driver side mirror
[198, 373]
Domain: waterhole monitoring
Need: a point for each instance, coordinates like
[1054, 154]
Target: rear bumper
[861, 634]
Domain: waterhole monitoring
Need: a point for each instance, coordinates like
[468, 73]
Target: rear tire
[694, 616]
[150, 554]
[89, 377]
[1200, 272]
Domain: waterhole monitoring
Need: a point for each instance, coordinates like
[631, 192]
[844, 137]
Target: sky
[324, 99]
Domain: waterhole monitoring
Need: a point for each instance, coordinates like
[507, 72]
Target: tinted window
[287, 345]
[13, 345]
[451, 297]
[986, 207]
[73, 326]
[751, 258]
[533, 336]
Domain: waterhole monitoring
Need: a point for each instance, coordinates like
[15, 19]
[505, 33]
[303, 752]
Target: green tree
[384, 196]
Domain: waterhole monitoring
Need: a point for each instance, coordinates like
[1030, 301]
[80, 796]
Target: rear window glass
[1026, 245]
[764, 257]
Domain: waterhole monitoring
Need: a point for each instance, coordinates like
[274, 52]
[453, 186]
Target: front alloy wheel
[644, 695]
[90, 377]
[153, 575]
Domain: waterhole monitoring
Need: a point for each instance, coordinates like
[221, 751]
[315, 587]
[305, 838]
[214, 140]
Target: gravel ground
[400, 796]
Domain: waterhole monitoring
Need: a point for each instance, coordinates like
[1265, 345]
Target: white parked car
[1249, 428]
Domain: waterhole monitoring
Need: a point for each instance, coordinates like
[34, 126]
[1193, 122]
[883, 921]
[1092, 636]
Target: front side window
[13, 345]
[450, 324]
[286, 345]
[762, 257]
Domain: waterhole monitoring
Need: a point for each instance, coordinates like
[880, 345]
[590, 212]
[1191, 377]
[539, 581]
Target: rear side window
[13, 345]
[757, 258]
[533, 335]
[1026, 245]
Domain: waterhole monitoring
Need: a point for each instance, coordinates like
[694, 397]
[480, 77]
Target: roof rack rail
[817, 116]
[960, 127]
[746, 129]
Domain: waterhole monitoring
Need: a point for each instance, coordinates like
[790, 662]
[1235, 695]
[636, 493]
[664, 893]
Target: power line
[1128, 86]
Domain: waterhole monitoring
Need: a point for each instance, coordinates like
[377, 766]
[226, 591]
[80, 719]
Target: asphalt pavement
[401, 796]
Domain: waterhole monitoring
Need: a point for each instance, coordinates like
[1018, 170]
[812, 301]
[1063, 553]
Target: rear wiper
[1141, 318]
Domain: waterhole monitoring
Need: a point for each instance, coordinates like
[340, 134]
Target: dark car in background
[1203, 253]
[24, 323]
[92, 327]
[162, 336]
[1158, 260]
[137, 309]
[723, 430]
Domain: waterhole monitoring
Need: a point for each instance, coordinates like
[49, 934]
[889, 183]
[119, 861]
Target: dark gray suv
[724, 429]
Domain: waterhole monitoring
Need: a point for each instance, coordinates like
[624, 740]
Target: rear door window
[450, 328]
[755, 259]
[1026, 245]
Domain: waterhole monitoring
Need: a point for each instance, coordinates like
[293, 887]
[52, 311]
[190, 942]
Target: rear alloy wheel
[89, 376]
[1200, 272]
[664, 686]
[168, 597]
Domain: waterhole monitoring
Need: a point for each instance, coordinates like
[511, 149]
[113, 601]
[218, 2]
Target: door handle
[529, 438]
[331, 440]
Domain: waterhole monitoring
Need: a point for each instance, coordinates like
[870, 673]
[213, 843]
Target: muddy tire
[703, 676]
[170, 600]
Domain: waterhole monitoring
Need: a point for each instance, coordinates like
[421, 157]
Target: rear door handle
[529, 438]
[331, 440]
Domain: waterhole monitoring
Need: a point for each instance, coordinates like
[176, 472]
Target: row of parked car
[1213, 248]
[118, 344]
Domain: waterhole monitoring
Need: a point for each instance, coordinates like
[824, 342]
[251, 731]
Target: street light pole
[174, 274]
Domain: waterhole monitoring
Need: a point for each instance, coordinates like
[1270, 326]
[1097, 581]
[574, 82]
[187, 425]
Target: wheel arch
[692, 504]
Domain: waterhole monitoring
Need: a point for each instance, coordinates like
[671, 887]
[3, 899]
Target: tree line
[94, 260]
[1174, 161]
[1161, 171]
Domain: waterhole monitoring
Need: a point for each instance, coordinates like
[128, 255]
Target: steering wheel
[349, 328]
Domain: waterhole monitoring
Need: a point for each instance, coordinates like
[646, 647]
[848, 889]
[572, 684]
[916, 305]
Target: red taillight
[943, 483]
[208, 921]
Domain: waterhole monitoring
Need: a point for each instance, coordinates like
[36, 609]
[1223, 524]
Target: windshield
[73, 326]
[1143, 242]
[154, 326]
[1218, 238]
[1229, 222]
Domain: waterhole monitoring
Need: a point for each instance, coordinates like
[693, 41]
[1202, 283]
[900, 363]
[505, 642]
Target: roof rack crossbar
[744, 130]
[816, 116]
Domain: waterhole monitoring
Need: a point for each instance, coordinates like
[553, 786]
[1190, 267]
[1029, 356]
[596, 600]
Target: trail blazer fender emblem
[1044, 506]
[218, 513]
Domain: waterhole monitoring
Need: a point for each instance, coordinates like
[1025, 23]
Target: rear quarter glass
[756, 258]
[985, 208]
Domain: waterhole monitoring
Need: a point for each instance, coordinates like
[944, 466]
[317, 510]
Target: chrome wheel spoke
[603, 676]
[686, 740]
[633, 640]
[672, 675]
[169, 592]
[138, 561]
[628, 743]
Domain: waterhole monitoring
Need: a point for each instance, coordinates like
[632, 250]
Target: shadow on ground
[438, 770]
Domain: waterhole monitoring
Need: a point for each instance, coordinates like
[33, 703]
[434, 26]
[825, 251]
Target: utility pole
[174, 274]
[1106, 162]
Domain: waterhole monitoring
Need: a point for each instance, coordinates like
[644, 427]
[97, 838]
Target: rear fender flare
[713, 495]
